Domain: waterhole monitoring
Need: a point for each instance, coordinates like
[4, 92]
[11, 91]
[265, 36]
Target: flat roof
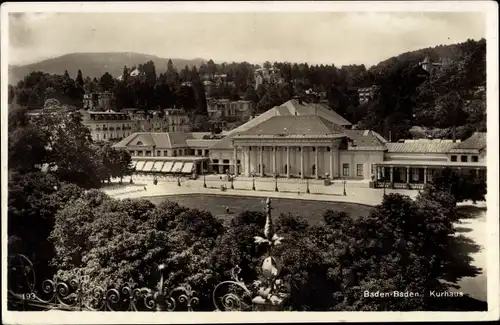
[179, 158]
[433, 163]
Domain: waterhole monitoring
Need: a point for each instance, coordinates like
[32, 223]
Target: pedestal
[274, 303]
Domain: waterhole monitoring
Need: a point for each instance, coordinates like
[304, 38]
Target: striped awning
[140, 165]
[167, 167]
[188, 167]
[148, 166]
[157, 166]
[177, 167]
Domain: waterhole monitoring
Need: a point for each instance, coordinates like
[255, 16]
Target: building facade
[265, 75]
[98, 101]
[366, 94]
[413, 163]
[114, 126]
[302, 140]
[226, 108]
[108, 125]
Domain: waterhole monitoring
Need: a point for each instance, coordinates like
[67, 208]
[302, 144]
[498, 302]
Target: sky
[340, 38]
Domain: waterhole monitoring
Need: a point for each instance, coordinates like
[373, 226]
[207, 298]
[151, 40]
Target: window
[165, 153]
[158, 153]
[314, 148]
[463, 158]
[174, 153]
[359, 170]
[139, 153]
[139, 143]
[345, 169]
[453, 158]
[474, 158]
[200, 152]
[148, 153]
[328, 149]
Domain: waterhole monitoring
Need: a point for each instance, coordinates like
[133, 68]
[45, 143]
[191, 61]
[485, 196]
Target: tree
[113, 241]
[11, 94]
[461, 186]
[106, 82]
[270, 100]
[201, 123]
[111, 163]
[70, 152]
[251, 95]
[33, 200]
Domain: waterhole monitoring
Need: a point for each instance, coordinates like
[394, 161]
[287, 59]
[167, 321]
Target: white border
[488, 7]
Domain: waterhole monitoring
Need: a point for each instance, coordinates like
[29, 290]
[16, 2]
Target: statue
[271, 290]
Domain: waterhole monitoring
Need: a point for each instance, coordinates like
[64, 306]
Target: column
[336, 160]
[287, 162]
[407, 174]
[316, 163]
[235, 157]
[331, 161]
[275, 170]
[425, 175]
[378, 172]
[247, 153]
[262, 161]
[301, 162]
[392, 174]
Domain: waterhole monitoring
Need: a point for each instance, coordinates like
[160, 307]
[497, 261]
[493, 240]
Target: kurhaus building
[303, 140]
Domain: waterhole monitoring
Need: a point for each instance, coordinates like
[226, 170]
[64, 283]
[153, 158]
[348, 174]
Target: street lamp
[307, 184]
[204, 180]
[276, 182]
[178, 177]
[253, 181]
[231, 179]
[383, 180]
[155, 178]
[344, 187]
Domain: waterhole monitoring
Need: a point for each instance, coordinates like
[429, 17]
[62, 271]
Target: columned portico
[316, 163]
[332, 155]
[247, 155]
[301, 162]
[261, 166]
[275, 170]
[235, 160]
[287, 162]
[274, 156]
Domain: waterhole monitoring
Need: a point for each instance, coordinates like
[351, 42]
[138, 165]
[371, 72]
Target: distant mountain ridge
[96, 64]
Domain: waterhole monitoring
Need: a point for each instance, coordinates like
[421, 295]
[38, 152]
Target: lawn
[216, 204]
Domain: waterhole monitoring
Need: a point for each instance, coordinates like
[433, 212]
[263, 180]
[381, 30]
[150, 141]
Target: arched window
[139, 143]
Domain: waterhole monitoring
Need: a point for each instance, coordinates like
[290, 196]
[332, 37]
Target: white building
[302, 140]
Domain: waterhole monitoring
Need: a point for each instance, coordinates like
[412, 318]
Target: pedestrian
[298, 192]
[144, 188]
[227, 210]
